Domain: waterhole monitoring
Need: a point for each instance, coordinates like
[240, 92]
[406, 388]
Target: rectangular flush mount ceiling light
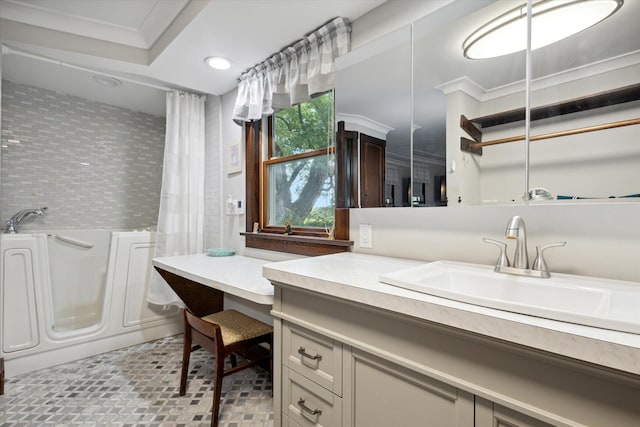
[552, 20]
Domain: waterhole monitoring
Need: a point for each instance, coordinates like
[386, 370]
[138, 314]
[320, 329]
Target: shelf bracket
[470, 128]
[470, 146]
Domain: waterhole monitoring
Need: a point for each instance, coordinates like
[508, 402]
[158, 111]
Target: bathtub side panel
[19, 314]
[132, 271]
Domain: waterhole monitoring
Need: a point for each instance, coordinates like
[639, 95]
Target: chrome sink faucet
[517, 230]
[16, 219]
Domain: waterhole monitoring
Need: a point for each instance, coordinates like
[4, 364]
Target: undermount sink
[590, 301]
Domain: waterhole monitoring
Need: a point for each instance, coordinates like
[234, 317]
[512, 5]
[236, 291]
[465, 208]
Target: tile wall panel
[93, 165]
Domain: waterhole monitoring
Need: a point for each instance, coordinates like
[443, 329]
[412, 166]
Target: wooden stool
[225, 333]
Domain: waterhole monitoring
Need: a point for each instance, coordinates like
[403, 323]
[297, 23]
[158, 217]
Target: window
[293, 181]
[299, 171]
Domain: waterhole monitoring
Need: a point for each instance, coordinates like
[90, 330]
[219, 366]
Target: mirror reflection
[448, 86]
[589, 151]
[373, 104]
[467, 141]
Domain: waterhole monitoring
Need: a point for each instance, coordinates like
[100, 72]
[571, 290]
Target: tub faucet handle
[503, 259]
[540, 264]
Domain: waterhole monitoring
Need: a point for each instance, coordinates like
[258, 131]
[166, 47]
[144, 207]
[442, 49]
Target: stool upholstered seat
[236, 326]
[225, 333]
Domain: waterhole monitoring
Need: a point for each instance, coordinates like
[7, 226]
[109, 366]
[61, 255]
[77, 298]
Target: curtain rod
[7, 50]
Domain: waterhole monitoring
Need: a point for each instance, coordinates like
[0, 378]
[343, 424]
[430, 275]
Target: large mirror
[467, 145]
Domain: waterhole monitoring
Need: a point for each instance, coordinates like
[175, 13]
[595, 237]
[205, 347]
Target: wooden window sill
[295, 244]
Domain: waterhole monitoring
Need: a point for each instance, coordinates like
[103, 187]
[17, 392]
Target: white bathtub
[69, 294]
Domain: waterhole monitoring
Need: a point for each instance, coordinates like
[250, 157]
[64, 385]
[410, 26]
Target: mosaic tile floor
[136, 386]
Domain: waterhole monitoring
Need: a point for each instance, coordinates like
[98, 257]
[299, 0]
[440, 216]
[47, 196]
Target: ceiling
[159, 42]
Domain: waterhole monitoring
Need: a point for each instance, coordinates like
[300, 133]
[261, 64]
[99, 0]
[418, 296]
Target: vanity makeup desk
[201, 281]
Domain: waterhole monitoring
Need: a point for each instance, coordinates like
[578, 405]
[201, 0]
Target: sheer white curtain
[181, 217]
[293, 75]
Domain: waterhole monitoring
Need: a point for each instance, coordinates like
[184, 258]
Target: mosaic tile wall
[93, 165]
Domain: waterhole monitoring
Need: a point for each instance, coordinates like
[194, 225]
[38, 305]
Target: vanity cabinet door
[490, 414]
[381, 393]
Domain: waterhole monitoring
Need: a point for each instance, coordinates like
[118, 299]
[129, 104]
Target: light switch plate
[366, 236]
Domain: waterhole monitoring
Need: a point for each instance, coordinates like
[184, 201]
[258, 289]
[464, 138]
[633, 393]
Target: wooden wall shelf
[474, 126]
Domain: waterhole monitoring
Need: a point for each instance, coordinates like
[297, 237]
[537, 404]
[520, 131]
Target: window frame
[304, 231]
[310, 243]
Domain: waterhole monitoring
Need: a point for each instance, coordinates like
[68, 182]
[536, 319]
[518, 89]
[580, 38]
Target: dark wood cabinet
[360, 169]
[372, 171]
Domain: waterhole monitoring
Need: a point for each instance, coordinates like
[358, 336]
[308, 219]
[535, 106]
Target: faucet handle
[539, 263]
[503, 260]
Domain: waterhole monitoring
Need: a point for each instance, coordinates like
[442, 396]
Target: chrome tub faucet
[14, 223]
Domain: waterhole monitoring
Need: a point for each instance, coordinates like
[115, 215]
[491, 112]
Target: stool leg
[217, 388]
[186, 355]
[234, 360]
[1, 376]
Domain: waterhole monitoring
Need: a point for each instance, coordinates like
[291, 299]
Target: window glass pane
[303, 127]
[302, 191]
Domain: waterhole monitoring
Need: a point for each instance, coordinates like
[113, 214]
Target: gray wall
[93, 165]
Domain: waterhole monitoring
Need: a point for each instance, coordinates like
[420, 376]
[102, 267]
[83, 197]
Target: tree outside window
[299, 184]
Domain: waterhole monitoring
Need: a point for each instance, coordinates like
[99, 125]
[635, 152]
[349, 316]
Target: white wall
[602, 239]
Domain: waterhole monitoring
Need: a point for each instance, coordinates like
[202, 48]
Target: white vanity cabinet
[326, 383]
[350, 351]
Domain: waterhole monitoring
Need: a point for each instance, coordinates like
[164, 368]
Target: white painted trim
[354, 122]
[159, 17]
[471, 88]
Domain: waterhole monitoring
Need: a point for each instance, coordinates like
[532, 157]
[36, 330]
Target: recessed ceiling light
[218, 62]
[107, 81]
[551, 21]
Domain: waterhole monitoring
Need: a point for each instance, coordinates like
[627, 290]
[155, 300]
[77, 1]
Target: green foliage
[320, 217]
[306, 126]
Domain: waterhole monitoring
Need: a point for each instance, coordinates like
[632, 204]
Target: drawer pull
[307, 409]
[302, 351]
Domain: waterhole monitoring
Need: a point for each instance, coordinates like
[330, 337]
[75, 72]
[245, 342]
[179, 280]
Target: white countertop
[354, 277]
[236, 275]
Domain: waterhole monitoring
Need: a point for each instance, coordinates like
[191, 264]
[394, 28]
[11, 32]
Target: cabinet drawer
[314, 356]
[288, 422]
[308, 404]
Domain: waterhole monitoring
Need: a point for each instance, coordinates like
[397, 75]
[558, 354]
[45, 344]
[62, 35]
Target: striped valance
[294, 74]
